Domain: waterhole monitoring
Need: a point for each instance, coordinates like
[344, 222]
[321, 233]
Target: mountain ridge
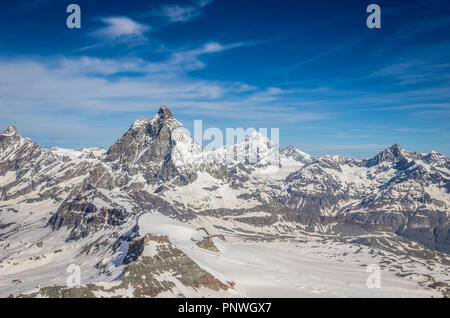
[290, 149]
[397, 201]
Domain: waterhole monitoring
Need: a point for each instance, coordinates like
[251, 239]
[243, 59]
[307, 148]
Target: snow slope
[285, 269]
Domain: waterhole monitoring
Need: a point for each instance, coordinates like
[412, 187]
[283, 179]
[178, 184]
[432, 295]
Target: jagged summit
[292, 152]
[143, 135]
[164, 112]
[158, 148]
[392, 154]
[163, 115]
[256, 136]
[289, 148]
[434, 158]
[9, 137]
[10, 131]
[395, 148]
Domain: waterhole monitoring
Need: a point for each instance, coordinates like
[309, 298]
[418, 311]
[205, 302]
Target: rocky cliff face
[161, 150]
[147, 148]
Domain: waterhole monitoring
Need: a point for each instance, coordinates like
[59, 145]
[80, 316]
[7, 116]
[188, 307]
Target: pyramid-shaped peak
[290, 148]
[9, 136]
[395, 148]
[164, 115]
[392, 154]
[10, 131]
[292, 152]
[393, 151]
[143, 133]
[258, 139]
[165, 112]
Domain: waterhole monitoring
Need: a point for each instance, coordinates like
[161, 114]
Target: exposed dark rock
[207, 244]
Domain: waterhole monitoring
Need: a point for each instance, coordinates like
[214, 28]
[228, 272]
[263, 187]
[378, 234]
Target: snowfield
[286, 269]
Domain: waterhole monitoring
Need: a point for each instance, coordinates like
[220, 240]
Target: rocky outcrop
[148, 276]
[207, 244]
[82, 217]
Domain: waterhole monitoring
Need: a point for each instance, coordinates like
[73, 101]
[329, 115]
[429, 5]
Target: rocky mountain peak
[163, 116]
[292, 152]
[143, 135]
[157, 148]
[257, 137]
[392, 154]
[165, 113]
[9, 136]
[290, 148]
[395, 148]
[435, 158]
[10, 131]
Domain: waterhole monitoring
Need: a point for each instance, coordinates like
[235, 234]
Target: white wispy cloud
[177, 13]
[418, 130]
[316, 57]
[90, 88]
[176, 61]
[419, 67]
[191, 59]
[121, 28]
[342, 147]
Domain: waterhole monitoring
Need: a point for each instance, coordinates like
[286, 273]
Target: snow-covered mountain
[157, 215]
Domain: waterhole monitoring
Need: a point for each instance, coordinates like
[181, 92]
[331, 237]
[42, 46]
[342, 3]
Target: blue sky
[311, 68]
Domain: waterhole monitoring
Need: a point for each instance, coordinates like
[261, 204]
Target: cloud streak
[176, 13]
[122, 29]
[86, 87]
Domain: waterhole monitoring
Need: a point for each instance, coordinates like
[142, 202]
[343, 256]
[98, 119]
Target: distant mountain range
[123, 213]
